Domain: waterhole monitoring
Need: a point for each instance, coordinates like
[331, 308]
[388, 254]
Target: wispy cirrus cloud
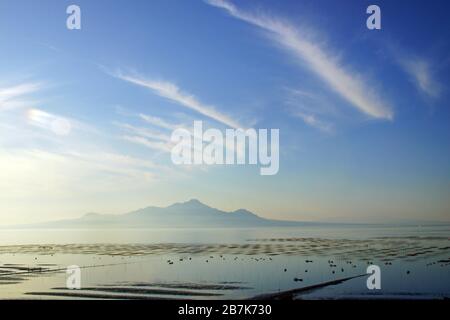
[421, 74]
[45, 120]
[13, 97]
[173, 93]
[313, 121]
[37, 172]
[311, 108]
[144, 132]
[323, 62]
[155, 121]
[155, 145]
[160, 141]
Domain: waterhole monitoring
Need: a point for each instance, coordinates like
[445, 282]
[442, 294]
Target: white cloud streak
[313, 121]
[311, 108]
[144, 132]
[171, 92]
[155, 145]
[13, 97]
[420, 72]
[323, 63]
[33, 173]
[57, 124]
[155, 121]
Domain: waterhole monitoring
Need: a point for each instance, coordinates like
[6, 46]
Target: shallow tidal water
[226, 263]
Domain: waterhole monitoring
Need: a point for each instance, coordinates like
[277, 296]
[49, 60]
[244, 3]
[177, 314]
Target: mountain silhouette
[189, 214]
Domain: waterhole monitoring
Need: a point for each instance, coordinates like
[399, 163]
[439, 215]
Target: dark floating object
[298, 279]
[333, 271]
[285, 270]
[306, 270]
[342, 269]
[408, 272]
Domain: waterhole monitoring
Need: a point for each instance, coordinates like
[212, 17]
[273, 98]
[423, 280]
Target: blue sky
[363, 114]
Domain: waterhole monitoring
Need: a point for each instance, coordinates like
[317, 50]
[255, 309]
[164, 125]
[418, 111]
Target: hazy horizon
[392, 222]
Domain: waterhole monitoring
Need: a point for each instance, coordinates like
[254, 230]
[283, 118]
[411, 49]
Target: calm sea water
[216, 235]
[227, 263]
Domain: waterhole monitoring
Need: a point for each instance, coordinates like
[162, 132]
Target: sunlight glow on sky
[86, 115]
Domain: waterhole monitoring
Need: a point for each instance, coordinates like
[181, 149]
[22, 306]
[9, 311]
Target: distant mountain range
[190, 214]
